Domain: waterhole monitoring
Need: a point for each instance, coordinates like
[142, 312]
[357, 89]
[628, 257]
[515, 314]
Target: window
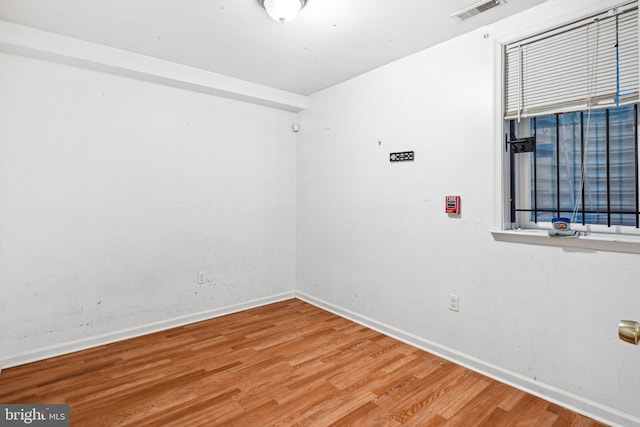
[570, 110]
[583, 165]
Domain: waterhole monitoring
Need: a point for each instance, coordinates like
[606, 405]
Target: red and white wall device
[452, 205]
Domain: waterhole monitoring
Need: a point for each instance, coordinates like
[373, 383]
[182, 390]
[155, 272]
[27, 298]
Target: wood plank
[284, 364]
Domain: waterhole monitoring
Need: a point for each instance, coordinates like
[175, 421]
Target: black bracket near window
[519, 145]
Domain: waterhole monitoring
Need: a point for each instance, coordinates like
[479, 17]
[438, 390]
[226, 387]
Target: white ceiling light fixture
[283, 10]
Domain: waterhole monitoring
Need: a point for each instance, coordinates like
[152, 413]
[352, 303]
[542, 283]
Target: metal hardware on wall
[629, 331]
[520, 145]
[403, 156]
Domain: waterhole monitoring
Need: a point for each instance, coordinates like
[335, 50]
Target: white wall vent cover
[476, 9]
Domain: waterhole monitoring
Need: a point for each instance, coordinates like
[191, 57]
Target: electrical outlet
[201, 277]
[454, 302]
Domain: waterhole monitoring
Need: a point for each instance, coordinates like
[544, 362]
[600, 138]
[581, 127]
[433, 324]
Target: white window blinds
[592, 63]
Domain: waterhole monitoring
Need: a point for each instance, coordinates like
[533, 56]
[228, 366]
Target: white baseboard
[595, 410]
[83, 344]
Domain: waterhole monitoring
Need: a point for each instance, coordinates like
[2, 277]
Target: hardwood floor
[285, 364]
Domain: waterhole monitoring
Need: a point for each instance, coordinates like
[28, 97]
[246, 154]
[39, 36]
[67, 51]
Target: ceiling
[329, 42]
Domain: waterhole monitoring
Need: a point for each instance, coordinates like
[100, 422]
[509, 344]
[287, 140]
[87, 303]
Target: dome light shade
[283, 10]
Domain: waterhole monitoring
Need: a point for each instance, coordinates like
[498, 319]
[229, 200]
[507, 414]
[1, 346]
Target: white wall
[375, 244]
[115, 193]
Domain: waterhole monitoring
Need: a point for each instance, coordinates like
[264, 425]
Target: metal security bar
[606, 189]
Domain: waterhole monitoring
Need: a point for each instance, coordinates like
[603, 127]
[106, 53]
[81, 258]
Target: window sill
[590, 242]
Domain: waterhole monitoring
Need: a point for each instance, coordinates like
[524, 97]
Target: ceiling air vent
[476, 9]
